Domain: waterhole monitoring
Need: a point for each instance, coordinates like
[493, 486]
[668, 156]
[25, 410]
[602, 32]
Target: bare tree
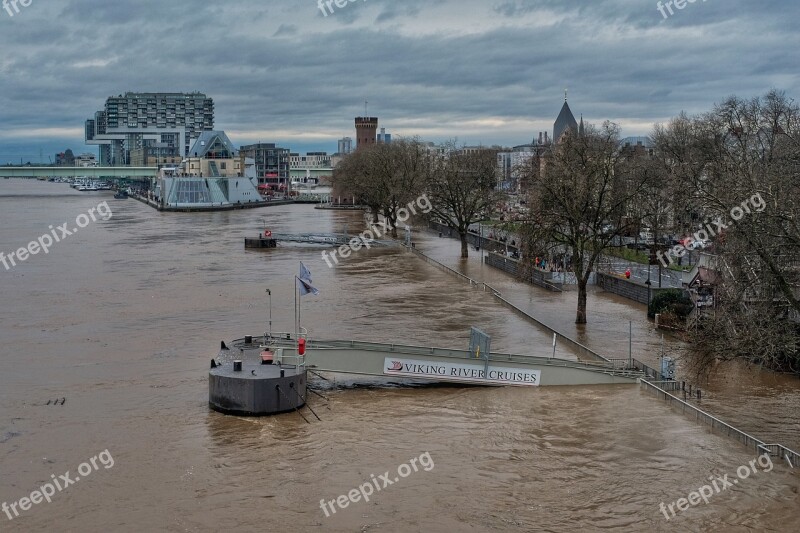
[579, 201]
[385, 177]
[747, 198]
[462, 189]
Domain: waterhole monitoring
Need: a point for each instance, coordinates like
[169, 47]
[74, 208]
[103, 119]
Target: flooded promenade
[122, 318]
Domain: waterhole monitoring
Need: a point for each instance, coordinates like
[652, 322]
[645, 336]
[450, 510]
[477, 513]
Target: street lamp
[269, 293]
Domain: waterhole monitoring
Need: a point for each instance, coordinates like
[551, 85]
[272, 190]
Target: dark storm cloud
[484, 71]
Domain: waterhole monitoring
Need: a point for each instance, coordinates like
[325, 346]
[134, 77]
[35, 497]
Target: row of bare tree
[461, 186]
[587, 191]
[714, 163]
[732, 173]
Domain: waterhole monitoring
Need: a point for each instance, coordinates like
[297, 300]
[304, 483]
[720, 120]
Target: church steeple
[580, 127]
[566, 120]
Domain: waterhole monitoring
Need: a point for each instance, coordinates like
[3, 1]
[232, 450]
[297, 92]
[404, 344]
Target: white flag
[304, 282]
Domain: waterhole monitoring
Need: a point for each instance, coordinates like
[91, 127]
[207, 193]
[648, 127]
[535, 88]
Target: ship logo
[396, 366]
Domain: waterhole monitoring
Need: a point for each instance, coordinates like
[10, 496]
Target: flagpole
[299, 319]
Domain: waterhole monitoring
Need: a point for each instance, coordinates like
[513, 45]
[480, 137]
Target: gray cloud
[485, 72]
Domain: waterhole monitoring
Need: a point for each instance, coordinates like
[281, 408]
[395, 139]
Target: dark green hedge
[673, 300]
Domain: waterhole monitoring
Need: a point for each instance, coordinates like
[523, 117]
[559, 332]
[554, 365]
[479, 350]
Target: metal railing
[578, 347]
[289, 340]
[649, 372]
[748, 440]
[484, 286]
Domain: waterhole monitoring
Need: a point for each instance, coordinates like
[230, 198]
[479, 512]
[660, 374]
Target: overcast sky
[482, 71]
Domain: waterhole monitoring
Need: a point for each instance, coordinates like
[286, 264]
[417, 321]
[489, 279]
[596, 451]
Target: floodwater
[122, 318]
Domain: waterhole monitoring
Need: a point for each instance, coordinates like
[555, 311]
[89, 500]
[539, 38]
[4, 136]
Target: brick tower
[366, 131]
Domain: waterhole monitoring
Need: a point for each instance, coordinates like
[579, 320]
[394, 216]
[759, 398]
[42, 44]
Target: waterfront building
[315, 166]
[213, 155]
[271, 163]
[215, 174]
[65, 159]
[86, 160]
[152, 156]
[311, 160]
[168, 121]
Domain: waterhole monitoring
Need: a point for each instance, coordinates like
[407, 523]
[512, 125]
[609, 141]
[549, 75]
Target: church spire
[580, 127]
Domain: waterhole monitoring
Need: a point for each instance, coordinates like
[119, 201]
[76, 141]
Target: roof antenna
[565, 96]
[365, 107]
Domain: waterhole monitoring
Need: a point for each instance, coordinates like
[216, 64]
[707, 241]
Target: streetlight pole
[269, 293]
[480, 239]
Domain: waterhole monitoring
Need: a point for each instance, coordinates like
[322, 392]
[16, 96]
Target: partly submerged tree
[580, 200]
[462, 188]
[385, 177]
[744, 181]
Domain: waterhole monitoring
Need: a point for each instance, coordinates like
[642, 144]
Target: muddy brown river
[121, 319]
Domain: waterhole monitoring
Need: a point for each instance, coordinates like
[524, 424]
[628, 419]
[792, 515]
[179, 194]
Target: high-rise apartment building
[384, 138]
[170, 122]
[345, 146]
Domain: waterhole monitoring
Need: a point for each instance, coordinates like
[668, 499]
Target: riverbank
[760, 402]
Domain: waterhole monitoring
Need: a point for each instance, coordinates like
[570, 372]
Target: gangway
[327, 239]
[435, 364]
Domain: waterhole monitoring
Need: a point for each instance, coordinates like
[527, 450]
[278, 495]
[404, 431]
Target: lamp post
[269, 294]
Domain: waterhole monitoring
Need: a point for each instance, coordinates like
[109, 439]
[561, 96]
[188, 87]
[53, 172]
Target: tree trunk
[394, 227]
[464, 245]
[580, 317]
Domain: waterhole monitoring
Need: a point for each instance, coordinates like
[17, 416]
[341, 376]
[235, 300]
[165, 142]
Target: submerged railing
[579, 348]
[288, 340]
[659, 388]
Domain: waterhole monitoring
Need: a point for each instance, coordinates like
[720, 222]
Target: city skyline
[482, 73]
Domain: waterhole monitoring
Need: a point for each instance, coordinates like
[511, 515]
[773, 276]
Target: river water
[122, 318]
